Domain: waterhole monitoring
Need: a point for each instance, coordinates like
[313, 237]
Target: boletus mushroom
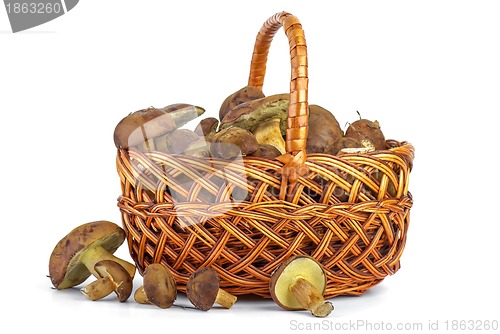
[159, 287]
[203, 290]
[232, 142]
[207, 127]
[368, 133]
[113, 277]
[298, 284]
[75, 256]
[140, 128]
[242, 95]
[324, 129]
[250, 114]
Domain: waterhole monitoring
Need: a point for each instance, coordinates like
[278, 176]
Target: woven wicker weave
[350, 212]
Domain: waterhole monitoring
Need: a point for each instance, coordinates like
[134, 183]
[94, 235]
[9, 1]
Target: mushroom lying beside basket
[299, 284]
[113, 277]
[203, 290]
[82, 252]
[159, 287]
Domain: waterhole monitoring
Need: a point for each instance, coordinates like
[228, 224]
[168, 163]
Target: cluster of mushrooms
[297, 284]
[249, 124]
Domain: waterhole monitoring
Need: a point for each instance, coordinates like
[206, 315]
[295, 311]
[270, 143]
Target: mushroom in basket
[249, 115]
[242, 95]
[147, 128]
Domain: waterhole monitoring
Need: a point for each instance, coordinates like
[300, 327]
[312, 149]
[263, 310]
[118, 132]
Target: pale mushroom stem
[140, 296]
[225, 299]
[269, 132]
[310, 298]
[96, 254]
[99, 289]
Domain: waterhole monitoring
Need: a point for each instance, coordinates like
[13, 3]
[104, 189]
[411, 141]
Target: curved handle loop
[298, 110]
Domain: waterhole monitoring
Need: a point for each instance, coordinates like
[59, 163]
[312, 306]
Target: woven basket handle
[298, 110]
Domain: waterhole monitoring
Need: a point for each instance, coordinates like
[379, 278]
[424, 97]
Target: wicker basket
[350, 212]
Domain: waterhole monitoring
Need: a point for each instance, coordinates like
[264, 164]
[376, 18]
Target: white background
[428, 71]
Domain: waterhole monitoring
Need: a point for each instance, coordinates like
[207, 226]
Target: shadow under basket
[350, 212]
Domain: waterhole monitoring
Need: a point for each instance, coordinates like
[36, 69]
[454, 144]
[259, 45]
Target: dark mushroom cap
[65, 267]
[242, 95]
[250, 114]
[324, 129]
[207, 127]
[202, 288]
[285, 275]
[229, 143]
[142, 125]
[159, 285]
[119, 275]
[364, 129]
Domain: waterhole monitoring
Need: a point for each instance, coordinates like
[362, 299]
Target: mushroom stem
[225, 299]
[112, 276]
[269, 133]
[310, 298]
[99, 289]
[140, 296]
[96, 254]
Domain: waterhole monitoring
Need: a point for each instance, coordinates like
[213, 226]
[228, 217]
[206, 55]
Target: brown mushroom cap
[159, 285]
[202, 288]
[65, 268]
[368, 133]
[142, 125]
[250, 114]
[242, 95]
[324, 129]
[207, 127]
[284, 276]
[118, 275]
[232, 142]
